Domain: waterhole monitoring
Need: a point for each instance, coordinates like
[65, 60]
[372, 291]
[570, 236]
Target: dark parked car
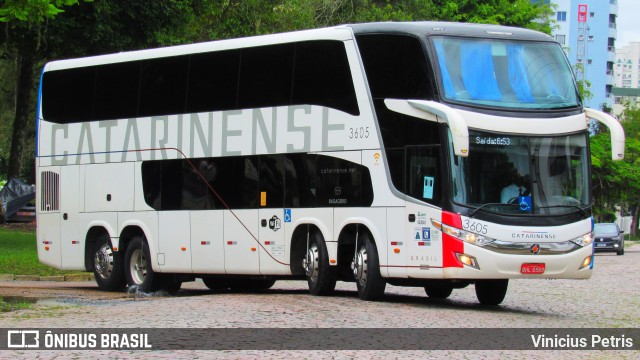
[608, 237]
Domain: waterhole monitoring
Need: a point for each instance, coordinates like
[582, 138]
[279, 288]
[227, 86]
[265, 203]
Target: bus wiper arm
[582, 211]
[488, 204]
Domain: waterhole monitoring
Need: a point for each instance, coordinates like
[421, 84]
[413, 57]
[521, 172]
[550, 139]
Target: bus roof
[341, 32]
[426, 28]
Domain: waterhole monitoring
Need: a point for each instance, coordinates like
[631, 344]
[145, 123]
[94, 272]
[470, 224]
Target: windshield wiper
[582, 211]
[488, 204]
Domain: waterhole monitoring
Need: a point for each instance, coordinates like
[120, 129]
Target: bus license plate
[532, 268]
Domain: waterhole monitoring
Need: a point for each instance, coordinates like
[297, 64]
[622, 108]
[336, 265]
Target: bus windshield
[505, 74]
[523, 175]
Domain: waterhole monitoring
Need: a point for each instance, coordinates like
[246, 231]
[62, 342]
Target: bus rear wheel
[366, 270]
[491, 292]
[438, 289]
[108, 269]
[138, 268]
[320, 276]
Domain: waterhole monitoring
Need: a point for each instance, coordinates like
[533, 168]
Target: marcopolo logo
[22, 339]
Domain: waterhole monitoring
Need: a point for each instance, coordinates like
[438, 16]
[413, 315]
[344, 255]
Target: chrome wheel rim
[138, 266]
[360, 266]
[103, 261]
[310, 263]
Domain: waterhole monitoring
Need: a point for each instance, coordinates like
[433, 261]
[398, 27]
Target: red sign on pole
[582, 13]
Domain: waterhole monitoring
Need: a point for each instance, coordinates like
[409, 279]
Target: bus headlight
[584, 240]
[468, 260]
[466, 236]
[586, 262]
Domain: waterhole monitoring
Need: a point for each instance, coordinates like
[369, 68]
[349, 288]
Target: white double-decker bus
[425, 154]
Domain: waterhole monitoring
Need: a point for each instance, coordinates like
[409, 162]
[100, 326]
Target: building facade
[587, 31]
[627, 66]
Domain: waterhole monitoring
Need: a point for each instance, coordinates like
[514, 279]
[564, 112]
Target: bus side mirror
[616, 130]
[436, 112]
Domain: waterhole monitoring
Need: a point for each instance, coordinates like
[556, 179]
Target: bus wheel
[251, 284]
[320, 276]
[366, 270]
[171, 284]
[491, 292]
[215, 284]
[438, 289]
[138, 267]
[108, 269]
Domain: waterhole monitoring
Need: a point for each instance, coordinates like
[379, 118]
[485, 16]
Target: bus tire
[320, 276]
[251, 284]
[137, 265]
[438, 289]
[171, 284]
[108, 269]
[366, 269]
[491, 292]
[215, 284]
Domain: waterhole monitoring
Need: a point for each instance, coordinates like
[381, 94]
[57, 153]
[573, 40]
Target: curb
[58, 278]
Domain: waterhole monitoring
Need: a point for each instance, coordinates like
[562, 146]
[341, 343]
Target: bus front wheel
[438, 289]
[366, 270]
[491, 292]
[108, 269]
[320, 276]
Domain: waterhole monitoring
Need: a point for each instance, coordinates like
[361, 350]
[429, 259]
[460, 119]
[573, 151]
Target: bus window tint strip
[291, 180]
[306, 73]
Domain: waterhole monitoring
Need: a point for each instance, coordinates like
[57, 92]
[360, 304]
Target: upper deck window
[505, 74]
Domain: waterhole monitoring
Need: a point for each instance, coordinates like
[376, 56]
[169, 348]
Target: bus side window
[341, 183]
[266, 76]
[213, 81]
[423, 176]
[116, 95]
[300, 180]
[322, 76]
[238, 181]
[63, 85]
[163, 86]
[271, 181]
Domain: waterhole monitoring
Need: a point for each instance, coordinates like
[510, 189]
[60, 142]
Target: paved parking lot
[610, 299]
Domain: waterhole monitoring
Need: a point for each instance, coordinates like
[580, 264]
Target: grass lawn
[18, 255]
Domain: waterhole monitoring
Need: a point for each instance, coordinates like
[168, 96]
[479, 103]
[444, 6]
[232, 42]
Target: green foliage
[617, 183]
[235, 18]
[32, 11]
[37, 31]
[18, 255]
[13, 304]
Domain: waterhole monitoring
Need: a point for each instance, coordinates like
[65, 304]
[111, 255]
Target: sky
[627, 22]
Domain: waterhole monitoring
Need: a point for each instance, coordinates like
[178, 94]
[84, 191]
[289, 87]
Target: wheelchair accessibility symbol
[287, 215]
[524, 203]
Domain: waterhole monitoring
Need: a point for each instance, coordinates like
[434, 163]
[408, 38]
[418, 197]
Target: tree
[617, 183]
[25, 22]
[235, 18]
[32, 36]
[39, 30]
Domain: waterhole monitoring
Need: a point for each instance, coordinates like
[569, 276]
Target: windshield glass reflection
[505, 74]
[522, 175]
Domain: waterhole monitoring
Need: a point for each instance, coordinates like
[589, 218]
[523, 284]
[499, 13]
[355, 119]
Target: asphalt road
[610, 299]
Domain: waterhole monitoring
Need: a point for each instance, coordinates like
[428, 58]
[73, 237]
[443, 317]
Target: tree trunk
[24, 104]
